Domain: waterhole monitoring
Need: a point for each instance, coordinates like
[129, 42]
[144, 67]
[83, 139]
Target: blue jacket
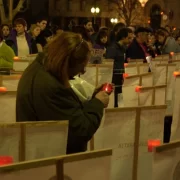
[12, 41]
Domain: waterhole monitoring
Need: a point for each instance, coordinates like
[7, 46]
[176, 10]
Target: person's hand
[103, 97]
[98, 89]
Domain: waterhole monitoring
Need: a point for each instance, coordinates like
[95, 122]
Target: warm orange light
[125, 64]
[176, 73]
[125, 75]
[172, 53]
[174, 28]
[138, 88]
[152, 144]
[149, 21]
[3, 89]
[162, 13]
[16, 58]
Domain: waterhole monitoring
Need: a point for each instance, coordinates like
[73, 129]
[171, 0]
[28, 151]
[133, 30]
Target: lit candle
[108, 88]
[5, 160]
[16, 58]
[152, 144]
[138, 88]
[125, 64]
[172, 53]
[125, 75]
[3, 89]
[176, 73]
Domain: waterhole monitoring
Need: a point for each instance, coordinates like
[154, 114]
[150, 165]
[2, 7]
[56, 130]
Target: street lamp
[114, 20]
[95, 11]
[143, 2]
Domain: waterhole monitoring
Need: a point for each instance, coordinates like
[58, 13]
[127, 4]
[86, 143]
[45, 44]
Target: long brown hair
[66, 56]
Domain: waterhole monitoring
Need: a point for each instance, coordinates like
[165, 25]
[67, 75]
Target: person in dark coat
[49, 96]
[117, 52]
[138, 48]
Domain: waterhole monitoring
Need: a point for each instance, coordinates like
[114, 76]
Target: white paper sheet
[130, 96]
[147, 80]
[160, 96]
[8, 107]
[45, 141]
[151, 127]
[88, 169]
[118, 133]
[41, 173]
[9, 142]
[90, 75]
[145, 97]
[160, 75]
[175, 135]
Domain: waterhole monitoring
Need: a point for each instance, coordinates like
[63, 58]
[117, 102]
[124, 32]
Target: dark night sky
[39, 6]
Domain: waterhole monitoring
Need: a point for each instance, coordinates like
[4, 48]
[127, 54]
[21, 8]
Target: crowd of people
[63, 55]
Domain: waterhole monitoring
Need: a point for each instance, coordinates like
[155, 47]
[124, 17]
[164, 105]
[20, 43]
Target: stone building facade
[79, 9]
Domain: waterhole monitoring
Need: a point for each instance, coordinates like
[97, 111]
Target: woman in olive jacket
[44, 92]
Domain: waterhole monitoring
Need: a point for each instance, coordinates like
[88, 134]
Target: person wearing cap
[20, 40]
[138, 48]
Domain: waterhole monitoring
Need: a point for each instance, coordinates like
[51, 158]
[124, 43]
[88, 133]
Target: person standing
[49, 96]
[117, 52]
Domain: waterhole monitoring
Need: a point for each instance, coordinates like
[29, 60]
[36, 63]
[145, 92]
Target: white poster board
[175, 128]
[36, 170]
[10, 135]
[130, 97]
[151, 127]
[160, 74]
[82, 166]
[119, 131]
[11, 82]
[45, 139]
[20, 65]
[8, 106]
[170, 88]
[166, 162]
[93, 166]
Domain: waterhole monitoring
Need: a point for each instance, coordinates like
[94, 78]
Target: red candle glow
[108, 88]
[3, 89]
[16, 58]
[5, 160]
[125, 75]
[138, 88]
[176, 73]
[172, 53]
[125, 64]
[152, 144]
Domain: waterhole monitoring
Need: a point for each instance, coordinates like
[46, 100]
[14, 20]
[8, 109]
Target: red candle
[5, 160]
[172, 53]
[176, 73]
[3, 89]
[125, 64]
[108, 88]
[125, 75]
[16, 58]
[152, 144]
[138, 88]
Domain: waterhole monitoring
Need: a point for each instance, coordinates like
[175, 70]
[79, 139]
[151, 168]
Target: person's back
[44, 92]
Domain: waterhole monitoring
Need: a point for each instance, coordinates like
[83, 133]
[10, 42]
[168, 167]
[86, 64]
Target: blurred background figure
[168, 43]
[34, 33]
[6, 54]
[5, 30]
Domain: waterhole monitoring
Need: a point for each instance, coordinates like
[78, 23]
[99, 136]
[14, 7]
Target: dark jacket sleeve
[60, 105]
